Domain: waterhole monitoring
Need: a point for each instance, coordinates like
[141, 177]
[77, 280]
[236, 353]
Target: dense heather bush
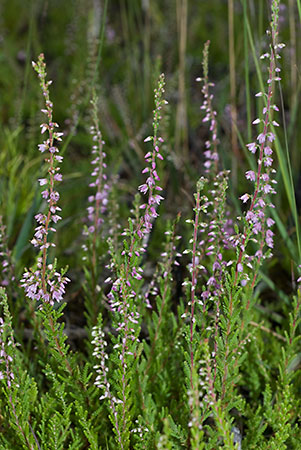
[163, 366]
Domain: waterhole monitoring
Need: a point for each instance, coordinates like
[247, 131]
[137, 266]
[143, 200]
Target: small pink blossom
[245, 198]
[250, 175]
[268, 161]
[252, 147]
[268, 151]
[239, 268]
[261, 138]
[42, 147]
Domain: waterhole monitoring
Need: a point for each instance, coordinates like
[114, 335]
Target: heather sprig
[102, 379]
[217, 234]
[98, 201]
[125, 288]
[151, 185]
[257, 223]
[256, 228]
[19, 389]
[94, 244]
[217, 229]
[43, 282]
[211, 153]
[196, 406]
[7, 271]
[6, 342]
[223, 424]
[195, 267]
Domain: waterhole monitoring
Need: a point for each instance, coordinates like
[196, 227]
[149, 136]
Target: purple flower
[54, 195]
[261, 138]
[267, 188]
[58, 177]
[245, 198]
[43, 148]
[143, 188]
[250, 175]
[251, 216]
[252, 147]
[269, 238]
[256, 227]
[268, 151]
[239, 267]
[268, 161]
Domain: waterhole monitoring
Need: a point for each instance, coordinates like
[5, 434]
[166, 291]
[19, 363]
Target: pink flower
[250, 175]
[252, 147]
[268, 151]
[267, 188]
[58, 177]
[239, 267]
[269, 238]
[143, 188]
[245, 198]
[268, 161]
[42, 147]
[261, 138]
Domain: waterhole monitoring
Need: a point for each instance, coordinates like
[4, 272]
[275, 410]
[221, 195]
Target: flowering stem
[260, 161]
[44, 282]
[194, 282]
[211, 155]
[256, 219]
[44, 260]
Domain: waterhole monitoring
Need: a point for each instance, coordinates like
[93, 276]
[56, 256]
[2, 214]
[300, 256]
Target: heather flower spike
[6, 264]
[43, 282]
[123, 295]
[257, 220]
[98, 201]
[211, 154]
[6, 372]
[151, 185]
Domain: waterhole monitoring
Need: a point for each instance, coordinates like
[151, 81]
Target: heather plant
[175, 347]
